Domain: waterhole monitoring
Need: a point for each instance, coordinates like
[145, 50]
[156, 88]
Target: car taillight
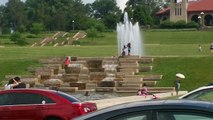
[87, 110]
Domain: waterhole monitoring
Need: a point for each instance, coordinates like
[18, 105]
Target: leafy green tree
[37, 28]
[15, 15]
[106, 11]
[143, 11]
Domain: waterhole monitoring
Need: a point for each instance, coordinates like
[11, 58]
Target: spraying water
[129, 33]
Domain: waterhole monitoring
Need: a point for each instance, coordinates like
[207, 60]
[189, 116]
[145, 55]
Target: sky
[121, 3]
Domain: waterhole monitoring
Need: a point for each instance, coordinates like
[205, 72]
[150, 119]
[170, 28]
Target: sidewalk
[119, 100]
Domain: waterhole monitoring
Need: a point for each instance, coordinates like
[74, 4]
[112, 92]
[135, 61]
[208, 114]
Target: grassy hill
[175, 51]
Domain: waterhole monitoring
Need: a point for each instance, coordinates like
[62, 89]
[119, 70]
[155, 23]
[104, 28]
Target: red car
[40, 104]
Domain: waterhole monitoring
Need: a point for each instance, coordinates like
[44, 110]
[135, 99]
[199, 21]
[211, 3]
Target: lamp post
[202, 18]
[73, 25]
[199, 20]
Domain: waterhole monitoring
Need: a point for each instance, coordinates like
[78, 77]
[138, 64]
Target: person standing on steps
[123, 51]
[179, 76]
[66, 63]
[129, 48]
[211, 48]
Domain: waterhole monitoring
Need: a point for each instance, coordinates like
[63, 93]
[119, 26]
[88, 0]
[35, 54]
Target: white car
[204, 93]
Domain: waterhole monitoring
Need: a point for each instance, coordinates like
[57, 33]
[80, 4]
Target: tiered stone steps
[89, 74]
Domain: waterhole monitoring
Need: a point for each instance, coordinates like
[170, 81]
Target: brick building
[200, 11]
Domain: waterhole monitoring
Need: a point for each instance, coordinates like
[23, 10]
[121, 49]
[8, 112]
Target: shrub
[17, 38]
[92, 32]
[180, 24]
[167, 24]
[192, 24]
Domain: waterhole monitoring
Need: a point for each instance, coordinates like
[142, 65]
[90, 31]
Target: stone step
[65, 84]
[80, 86]
[132, 80]
[126, 70]
[91, 85]
[152, 77]
[137, 83]
[68, 89]
[134, 76]
[130, 57]
[146, 60]
[105, 89]
[44, 71]
[84, 77]
[84, 71]
[97, 58]
[131, 85]
[128, 64]
[125, 61]
[70, 78]
[110, 62]
[123, 74]
[145, 68]
[97, 76]
[30, 81]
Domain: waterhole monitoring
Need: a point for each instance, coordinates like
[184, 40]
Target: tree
[106, 11]
[15, 15]
[37, 28]
[143, 11]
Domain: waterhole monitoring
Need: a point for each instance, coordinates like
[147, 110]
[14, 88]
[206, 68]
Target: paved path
[119, 100]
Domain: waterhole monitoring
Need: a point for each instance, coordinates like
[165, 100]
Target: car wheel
[52, 118]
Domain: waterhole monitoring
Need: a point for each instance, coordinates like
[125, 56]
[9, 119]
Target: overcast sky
[121, 3]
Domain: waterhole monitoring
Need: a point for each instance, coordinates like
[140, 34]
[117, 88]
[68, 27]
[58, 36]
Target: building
[200, 11]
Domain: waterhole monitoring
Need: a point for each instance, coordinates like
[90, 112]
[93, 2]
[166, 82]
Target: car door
[6, 102]
[27, 106]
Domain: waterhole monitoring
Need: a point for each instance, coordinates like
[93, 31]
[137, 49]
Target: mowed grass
[173, 52]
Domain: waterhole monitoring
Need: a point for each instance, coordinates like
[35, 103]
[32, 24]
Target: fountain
[129, 33]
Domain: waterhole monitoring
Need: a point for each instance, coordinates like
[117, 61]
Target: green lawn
[174, 52]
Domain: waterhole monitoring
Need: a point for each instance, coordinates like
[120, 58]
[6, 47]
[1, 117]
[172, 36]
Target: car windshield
[204, 95]
[68, 97]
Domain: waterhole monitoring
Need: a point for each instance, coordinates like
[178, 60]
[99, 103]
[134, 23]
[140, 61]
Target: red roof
[200, 5]
[163, 11]
[194, 6]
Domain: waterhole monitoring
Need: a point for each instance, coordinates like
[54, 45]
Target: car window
[204, 95]
[183, 115]
[7, 99]
[68, 97]
[23, 98]
[131, 116]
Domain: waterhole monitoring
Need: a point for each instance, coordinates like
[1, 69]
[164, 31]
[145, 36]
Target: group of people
[14, 83]
[128, 47]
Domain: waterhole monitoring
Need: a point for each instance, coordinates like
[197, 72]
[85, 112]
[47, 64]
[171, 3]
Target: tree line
[67, 15]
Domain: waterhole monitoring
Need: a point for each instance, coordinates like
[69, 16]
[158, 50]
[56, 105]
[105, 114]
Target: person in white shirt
[12, 83]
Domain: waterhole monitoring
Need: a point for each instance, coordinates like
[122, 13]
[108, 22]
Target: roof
[163, 11]
[194, 6]
[200, 5]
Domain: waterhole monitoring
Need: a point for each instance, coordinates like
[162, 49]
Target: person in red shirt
[66, 63]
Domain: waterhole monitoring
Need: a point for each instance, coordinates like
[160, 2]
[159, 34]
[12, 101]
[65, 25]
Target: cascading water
[129, 33]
